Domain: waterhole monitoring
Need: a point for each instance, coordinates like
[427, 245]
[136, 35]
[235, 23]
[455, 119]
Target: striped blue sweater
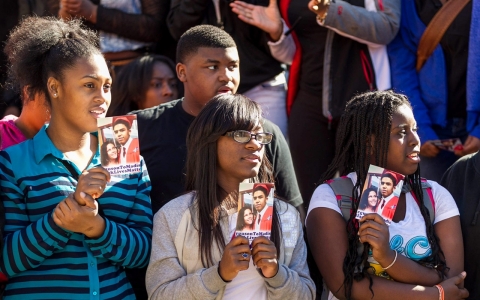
[44, 261]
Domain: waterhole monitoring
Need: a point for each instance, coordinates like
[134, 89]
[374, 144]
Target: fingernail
[82, 194]
[464, 273]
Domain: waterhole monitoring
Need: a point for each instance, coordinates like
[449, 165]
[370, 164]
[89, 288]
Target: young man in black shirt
[207, 65]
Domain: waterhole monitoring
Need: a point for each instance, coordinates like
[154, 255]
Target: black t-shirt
[162, 132]
[461, 180]
[454, 44]
[312, 38]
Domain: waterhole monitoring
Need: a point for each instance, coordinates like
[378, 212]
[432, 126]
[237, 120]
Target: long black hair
[222, 114]
[364, 199]
[241, 218]
[105, 159]
[369, 116]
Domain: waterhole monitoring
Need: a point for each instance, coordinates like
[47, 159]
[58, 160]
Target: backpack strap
[342, 188]
[427, 194]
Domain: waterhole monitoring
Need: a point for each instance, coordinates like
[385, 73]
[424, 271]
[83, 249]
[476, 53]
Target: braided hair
[363, 136]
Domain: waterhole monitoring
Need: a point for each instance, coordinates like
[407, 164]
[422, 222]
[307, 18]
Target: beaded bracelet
[394, 260]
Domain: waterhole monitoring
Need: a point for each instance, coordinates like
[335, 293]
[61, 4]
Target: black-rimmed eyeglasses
[243, 136]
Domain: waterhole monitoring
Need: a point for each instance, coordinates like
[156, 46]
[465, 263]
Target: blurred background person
[128, 28]
[145, 82]
[339, 53]
[445, 91]
[261, 55]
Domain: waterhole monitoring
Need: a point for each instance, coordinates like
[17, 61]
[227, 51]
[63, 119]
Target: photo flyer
[380, 193]
[449, 144]
[255, 210]
[119, 148]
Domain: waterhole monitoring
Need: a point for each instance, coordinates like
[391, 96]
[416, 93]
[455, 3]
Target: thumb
[88, 200]
[460, 277]
[272, 3]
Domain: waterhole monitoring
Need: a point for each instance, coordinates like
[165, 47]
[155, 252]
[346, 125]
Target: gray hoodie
[176, 271]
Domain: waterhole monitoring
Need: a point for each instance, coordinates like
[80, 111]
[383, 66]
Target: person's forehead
[223, 55]
[119, 126]
[387, 179]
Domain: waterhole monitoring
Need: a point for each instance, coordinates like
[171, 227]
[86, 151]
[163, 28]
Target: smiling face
[404, 147]
[372, 199]
[386, 186]
[248, 217]
[208, 72]
[237, 162]
[259, 200]
[112, 152]
[162, 88]
[82, 95]
[122, 133]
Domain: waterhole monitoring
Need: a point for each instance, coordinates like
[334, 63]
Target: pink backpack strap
[427, 194]
[342, 188]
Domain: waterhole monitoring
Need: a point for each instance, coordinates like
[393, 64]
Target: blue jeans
[433, 167]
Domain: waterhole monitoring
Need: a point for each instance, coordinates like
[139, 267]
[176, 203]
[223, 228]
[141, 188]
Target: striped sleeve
[129, 243]
[27, 244]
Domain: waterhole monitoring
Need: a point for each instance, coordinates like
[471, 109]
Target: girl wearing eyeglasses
[195, 253]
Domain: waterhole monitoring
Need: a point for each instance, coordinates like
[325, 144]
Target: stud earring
[55, 95]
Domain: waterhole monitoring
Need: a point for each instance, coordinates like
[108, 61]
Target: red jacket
[133, 152]
[266, 219]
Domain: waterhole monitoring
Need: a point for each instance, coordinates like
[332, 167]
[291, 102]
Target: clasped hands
[374, 230]
[237, 254]
[79, 211]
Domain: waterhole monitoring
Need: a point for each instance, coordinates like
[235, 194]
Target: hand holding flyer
[380, 193]
[449, 144]
[255, 210]
[119, 147]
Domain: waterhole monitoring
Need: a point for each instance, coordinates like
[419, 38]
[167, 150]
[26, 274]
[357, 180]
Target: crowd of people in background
[337, 85]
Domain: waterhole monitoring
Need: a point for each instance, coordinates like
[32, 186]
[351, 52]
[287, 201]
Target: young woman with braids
[195, 254]
[421, 258]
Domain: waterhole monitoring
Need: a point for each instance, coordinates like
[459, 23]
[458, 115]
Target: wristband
[394, 260]
[441, 293]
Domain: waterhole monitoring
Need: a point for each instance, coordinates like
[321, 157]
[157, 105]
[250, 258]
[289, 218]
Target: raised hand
[319, 7]
[374, 231]
[91, 182]
[264, 255]
[235, 258]
[471, 145]
[266, 18]
[428, 149]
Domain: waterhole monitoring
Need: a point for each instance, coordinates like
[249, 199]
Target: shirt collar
[43, 146]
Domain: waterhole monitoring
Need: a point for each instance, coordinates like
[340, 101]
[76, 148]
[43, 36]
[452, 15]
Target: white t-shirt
[248, 284]
[408, 237]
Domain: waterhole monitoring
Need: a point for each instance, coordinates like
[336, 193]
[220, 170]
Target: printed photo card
[380, 193]
[255, 210]
[119, 148]
[449, 144]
